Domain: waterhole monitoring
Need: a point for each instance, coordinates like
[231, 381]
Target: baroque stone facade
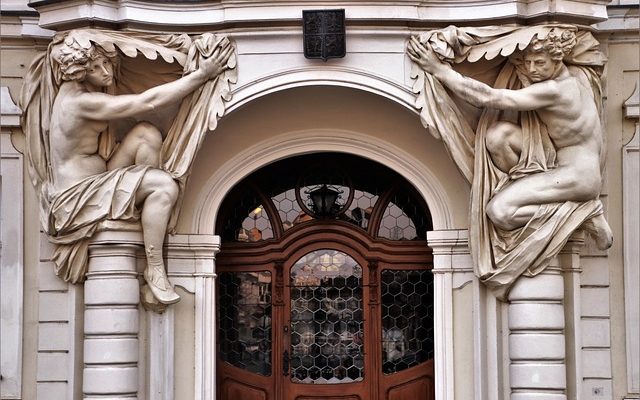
[530, 299]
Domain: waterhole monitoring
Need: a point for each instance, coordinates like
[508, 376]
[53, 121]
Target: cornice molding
[208, 15]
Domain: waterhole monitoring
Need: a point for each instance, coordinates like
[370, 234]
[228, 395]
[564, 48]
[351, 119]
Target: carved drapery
[501, 257]
[165, 59]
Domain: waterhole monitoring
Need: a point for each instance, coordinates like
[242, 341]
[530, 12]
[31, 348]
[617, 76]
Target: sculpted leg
[516, 204]
[141, 146]
[158, 193]
[504, 143]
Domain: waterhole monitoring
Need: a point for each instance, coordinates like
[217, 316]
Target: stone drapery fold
[71, 217]
[74, 215]
[500, 257]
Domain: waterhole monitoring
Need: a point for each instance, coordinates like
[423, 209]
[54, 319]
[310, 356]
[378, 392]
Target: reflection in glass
[326, 319]
[255, 227]
[244, 320]
[407, 319]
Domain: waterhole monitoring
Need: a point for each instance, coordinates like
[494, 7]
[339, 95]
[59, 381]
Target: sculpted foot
[600, 230]
[157, 280]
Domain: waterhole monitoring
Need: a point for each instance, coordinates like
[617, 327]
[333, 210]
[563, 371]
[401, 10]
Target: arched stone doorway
[324, 303]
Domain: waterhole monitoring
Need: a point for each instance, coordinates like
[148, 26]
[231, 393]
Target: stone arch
[302, 142]
[332, 76]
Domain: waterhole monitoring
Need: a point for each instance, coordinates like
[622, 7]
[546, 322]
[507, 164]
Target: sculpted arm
[103, 107]
[536, 96]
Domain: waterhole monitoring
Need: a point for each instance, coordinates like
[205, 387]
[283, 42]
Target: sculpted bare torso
[565, 106]
[81, 111]
[73, 140]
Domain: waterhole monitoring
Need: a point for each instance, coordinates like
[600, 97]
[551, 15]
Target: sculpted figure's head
[543, 57]
[93, 65]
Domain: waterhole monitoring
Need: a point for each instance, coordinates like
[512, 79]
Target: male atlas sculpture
[82, 184]
[564, 109]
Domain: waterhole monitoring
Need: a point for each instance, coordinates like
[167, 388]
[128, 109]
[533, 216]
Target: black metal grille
[244, 318]
[407, 319]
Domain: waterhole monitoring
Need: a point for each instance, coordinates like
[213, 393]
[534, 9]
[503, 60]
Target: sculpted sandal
[157, 280]
[160, 286]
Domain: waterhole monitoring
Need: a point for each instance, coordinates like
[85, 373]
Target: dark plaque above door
[324, 33]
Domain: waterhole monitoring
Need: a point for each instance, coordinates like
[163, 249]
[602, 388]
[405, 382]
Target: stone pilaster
[111, 317]
[452, 269]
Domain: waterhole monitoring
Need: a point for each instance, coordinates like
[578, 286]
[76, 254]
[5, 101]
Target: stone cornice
[194, 15]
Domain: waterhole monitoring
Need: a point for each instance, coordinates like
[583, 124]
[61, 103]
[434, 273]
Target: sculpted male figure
[564, 105]
[129, 179]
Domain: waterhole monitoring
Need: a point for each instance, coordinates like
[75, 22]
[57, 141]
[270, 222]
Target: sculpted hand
[425, 57]
[214, 65]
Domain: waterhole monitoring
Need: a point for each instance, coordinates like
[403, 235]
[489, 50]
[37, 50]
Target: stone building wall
[50, 337]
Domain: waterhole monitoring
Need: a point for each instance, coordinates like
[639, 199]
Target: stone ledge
[206, 15]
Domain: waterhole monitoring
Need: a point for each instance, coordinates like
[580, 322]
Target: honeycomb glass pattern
[244, 320]
[326, 319]
[361, 208]
[404, 219]
[255, 226]
[407, 319]
[290, 212]
[245, 219]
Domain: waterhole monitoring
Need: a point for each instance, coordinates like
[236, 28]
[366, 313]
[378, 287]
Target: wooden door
[326, 316]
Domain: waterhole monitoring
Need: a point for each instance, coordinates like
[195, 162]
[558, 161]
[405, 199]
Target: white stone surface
[59, 311]
[544, 286]
[537, 337]
[536, 316]
[538, 376]
[207, 15]
[53, 306]
[122, 381]
[595, 302]
[596, 363]
[9, 111]
[537, 396]
[11, 262]
[536, 346]
[595, 271]
[632, 108]
[161, 355]
[597, 389]
[54, 336]
[111, 318]
[631, 226]
[111, 351]
[596, 333]
[446, 244]
[47, 279]
[52, 367]
[52, 391]
[112, 321]
[102, 291]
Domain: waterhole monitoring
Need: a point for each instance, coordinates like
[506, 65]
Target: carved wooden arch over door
[325, 288]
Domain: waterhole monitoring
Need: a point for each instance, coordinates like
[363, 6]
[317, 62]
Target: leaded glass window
[244, 300]
[327, 328]
[404, 218]
[407, 318]
[267, 204]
